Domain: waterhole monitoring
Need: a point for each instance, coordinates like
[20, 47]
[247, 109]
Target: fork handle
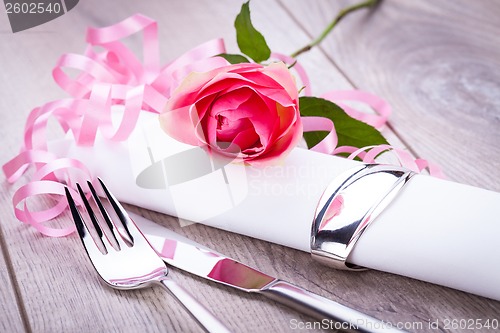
[199, 312]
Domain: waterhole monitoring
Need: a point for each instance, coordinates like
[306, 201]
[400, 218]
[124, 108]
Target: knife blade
[197, 259]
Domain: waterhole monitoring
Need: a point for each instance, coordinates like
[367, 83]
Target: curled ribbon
[115, 77]
[112, 77]
[378, 120]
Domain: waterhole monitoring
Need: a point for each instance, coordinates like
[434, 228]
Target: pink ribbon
[116, 77]
[378, 120]
[109, 78]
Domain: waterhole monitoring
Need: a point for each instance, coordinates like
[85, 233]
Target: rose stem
[343, 13]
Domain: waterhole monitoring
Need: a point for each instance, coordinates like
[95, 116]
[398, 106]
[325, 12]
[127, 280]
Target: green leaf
[234, 58]
[350, 132]
[250, 41]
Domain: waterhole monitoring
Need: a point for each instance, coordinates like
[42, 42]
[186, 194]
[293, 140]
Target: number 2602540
[471, 324]
[33, 8]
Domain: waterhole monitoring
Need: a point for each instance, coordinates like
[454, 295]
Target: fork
[132, 263]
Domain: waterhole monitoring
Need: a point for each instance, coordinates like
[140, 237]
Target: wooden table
[436, 62]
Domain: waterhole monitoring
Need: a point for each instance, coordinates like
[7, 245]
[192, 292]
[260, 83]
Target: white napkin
[435, 230]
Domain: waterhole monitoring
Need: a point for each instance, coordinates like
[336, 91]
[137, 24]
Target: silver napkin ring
[348, 206]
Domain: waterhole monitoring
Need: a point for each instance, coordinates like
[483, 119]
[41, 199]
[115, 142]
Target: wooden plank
[60, 288]
[61, 291]
[59, 295]
[65, 295]
[10, 313]
[283, 37]
[436, 63]
[427, 59]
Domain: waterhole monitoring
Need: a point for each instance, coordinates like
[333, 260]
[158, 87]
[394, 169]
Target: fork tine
[93, 218]
[118, 238]
[103, 211]
[120, 212]
[137, 266]
[81, 226]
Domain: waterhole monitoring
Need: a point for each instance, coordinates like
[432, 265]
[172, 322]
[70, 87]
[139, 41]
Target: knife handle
[322, 308]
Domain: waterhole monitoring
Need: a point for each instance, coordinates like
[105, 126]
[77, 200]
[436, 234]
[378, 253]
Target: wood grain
[65, 295]
[436, 62]
[10, 308]
[59, 287]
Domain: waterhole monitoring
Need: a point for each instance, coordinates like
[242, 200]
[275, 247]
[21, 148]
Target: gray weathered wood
[65, 294]
[390, 52]
[436, 62]
[10, 310]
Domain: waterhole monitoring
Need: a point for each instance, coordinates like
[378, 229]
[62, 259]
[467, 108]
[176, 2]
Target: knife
[199, 260]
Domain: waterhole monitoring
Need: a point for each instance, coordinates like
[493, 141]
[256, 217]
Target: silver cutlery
[125, 259]
[202, 261]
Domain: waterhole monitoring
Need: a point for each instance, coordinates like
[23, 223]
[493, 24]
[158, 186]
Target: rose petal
[247, 139]
[204, 105]
[287, 118]
[244, 104]
[228, 132]
[263, 107]
[262, 118]
[274, 91]
[194, 83]
[279, 72]
[251, 107]
[257, 78]
[187, 92]
[281, 146]
[229, 103]
[179, 125]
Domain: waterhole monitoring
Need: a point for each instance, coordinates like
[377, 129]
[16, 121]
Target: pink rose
[246, 111]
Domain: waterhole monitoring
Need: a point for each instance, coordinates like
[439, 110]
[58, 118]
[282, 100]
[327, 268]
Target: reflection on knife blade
[212, 265]
[197, 259]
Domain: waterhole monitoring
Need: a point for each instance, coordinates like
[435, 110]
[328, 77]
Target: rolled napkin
[434, 230]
